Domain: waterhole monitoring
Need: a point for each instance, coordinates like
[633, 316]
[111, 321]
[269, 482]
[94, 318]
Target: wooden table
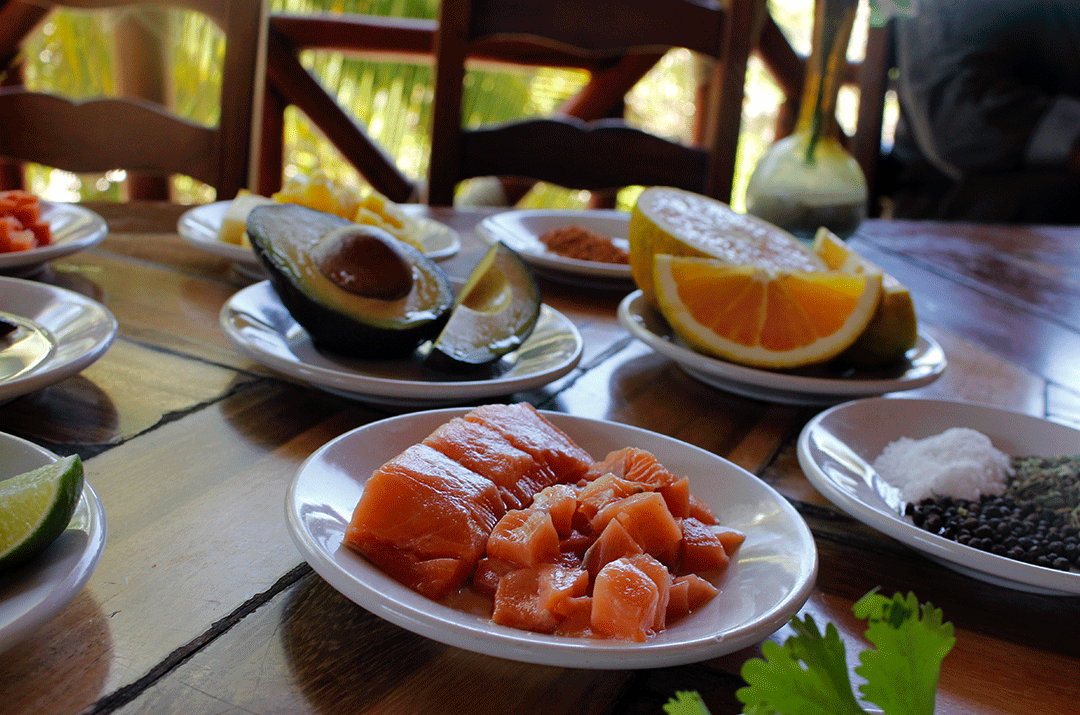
[201, 603]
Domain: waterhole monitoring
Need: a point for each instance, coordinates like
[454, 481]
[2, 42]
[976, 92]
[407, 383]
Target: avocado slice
[496, 310]
[355, 289]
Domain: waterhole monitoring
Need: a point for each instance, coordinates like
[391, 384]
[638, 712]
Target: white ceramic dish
[925, 363]
[837, 447]
[60, 333]
[260, 327]
[521, 231]
[200, 225]
[36, 591]
[74, 228]
[768, 583]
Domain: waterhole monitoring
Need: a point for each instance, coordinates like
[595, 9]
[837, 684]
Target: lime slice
[36, 507]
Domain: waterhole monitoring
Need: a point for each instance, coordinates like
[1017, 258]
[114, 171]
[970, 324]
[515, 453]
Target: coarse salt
[960, 463]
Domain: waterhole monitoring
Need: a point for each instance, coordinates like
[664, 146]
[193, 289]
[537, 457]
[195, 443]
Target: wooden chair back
[603, 154]
[132, 133]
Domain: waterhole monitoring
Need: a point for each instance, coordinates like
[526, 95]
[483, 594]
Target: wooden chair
[595, 155]
[129, 133]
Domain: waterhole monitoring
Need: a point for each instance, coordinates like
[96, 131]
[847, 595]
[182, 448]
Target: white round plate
[521, 231]
[837, 447]
[259, 326]
[767, 584]
[925, 363]
[74, 228]
[60, 334]
[36, 591]
[200, 226]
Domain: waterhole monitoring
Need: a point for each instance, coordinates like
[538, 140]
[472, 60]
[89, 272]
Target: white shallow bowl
[521, 231]
[74, 228]
[200, 226]
[837, 447]
[924, 364]
[61, 332]
[259, 326]
[36, 591]
[759, 593]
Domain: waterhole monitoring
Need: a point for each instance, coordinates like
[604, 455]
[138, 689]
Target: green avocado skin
[283, 236]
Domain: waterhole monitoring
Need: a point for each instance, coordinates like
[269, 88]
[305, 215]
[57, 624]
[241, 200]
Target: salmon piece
[687, 594]
[677, 497]
[624, 602]
[560, 501]
[732, 539]
[662, 578]
[614, 543]
[525, 537]
[577, 618]
[594, 495]
[517, 603]
[702, 550]
[42, 233]
[13, 237]
[635, 465]
[516, 474]
[558, 584]
[489, 572]
[531, 432]
[420, 507]
[648, 521]
[701, 511]
[576, 544]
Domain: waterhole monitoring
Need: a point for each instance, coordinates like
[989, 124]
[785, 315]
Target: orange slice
[760, 317]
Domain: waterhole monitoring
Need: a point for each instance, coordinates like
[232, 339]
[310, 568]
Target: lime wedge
[36, 507]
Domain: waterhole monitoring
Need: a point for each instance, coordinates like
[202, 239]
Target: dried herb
[1049, 483]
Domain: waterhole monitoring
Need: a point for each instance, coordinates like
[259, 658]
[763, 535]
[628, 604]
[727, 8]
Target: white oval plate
[74, 228]
[837, 447]
[925, 363]
[768, 583]
[200, 226]
[260, 327]
[61, 333]
[36, 591]
[521, 231]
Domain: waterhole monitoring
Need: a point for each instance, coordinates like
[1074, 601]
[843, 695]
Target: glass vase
[808, 179]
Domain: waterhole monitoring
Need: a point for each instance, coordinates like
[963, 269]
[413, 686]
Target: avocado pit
[365, 261]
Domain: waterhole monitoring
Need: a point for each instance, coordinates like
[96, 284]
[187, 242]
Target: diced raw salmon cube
[701, 511]
[516, 474]
[635, 465]
[488, 574]
[702, 550]
[576, 543]
[517, 603]
[531, 432]
[677, 497]
[577, 618]
[603, 490]
[614, 543]
[423, 506]
[662, 578]
[648, 521]
[557, 584]
[624, 602]
[688, 593]
[560, 501]
[525, 537]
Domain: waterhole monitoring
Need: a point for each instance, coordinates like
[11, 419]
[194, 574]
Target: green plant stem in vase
[808, 179]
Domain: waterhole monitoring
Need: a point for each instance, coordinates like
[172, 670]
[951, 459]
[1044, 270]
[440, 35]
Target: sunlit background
[70, 56]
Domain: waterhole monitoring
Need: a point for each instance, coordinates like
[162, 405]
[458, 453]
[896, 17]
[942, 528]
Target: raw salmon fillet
[516, 474]
[531, 432]
[425, 519]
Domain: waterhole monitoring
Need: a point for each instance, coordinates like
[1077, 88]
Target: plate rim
[67, 588]
[414, 393]
[95, 233]
[488, 230]
[545, 649]
[1002, 570]
[52, 370]
[765, 382]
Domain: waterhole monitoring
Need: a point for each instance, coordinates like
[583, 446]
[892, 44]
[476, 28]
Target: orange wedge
[762, 317]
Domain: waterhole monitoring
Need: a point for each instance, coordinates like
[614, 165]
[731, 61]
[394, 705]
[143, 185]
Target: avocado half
[355, 289]
[495, 313]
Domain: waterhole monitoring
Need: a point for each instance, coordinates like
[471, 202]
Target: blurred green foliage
[71, 53]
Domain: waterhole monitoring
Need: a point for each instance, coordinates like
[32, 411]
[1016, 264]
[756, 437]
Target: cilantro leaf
[902, 674]
[807, 676]
[686, 702]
